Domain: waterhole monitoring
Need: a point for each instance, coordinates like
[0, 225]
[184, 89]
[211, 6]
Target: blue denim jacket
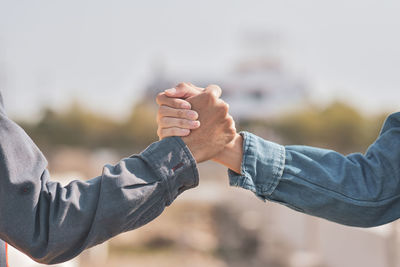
[53, 223]
[357, 189]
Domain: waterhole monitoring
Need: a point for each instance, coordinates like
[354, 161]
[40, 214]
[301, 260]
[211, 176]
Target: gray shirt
[52, 223]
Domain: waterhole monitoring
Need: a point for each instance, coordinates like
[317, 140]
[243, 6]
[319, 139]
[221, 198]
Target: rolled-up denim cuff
[262, 166]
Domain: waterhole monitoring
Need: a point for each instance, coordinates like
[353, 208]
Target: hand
[217, 126]
[174, 117]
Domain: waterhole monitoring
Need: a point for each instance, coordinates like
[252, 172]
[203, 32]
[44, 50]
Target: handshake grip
[217, 127]
[212, 131]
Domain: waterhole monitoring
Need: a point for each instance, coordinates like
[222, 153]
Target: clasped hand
[202, 119]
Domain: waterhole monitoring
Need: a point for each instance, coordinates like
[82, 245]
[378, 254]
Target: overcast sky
[102, 52]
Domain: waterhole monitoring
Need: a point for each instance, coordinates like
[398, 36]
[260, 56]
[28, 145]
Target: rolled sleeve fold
[356, 189]
[262, 166]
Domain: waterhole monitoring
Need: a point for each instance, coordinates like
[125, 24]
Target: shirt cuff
[262, 166]
[173, 162]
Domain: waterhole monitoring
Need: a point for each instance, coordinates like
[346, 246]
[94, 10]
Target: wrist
[196, 150]
[232, 154]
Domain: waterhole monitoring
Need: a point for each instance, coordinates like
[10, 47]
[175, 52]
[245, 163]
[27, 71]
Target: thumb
[183, 90]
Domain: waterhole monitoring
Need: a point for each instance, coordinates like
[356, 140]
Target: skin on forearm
[196, 150]
[232, 154]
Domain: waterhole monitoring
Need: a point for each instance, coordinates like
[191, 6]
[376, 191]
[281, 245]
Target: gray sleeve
[52, 223]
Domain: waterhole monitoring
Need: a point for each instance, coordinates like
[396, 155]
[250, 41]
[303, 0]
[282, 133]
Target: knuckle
[208, 94]
[174, 131]
[230, 126]
[165, 132]
[160, 94]
[163, 120]
[226, 109]
[180, 113]
[181, 123]
[161, 111]
[159, 97]
[214, 86]
[219, 112]
[181, 85]
[176, 103]
[223, 109]
[192, 115]
[225, 106]
[210, 97]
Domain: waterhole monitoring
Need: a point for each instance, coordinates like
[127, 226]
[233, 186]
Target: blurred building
[254, 90]
[258, 86]
[262, 89]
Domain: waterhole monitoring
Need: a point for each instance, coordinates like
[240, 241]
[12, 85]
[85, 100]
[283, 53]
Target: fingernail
[192, 114]
[170, 91]
[185, 105]
[195, 123]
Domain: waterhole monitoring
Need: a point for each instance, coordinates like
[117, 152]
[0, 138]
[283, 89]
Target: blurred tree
[338, 126]
[141, 125]
[79, 127]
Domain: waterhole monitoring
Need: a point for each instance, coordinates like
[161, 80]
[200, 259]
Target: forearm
[358, 190]
[351, 190]
[231, 156]
[52, 223]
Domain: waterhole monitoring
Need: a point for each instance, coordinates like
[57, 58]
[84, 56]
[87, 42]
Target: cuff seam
[245, 179]
[277, 174]
[193, 164]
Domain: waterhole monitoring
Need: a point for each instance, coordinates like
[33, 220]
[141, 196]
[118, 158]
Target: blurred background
[81, 78]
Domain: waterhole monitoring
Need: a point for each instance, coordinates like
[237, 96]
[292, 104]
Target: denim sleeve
[52, 223]
[357, 190]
